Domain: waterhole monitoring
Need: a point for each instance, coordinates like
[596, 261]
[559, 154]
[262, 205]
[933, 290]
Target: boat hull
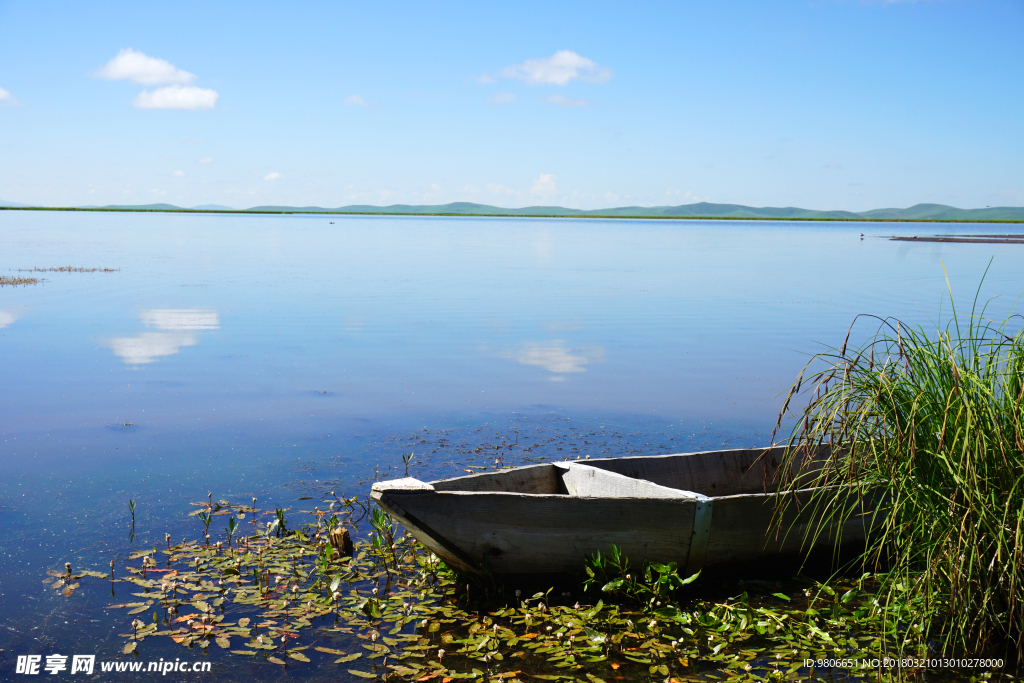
[550, 518]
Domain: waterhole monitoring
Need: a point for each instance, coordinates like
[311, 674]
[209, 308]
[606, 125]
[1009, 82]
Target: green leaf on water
[223, 642]
[362, 674]
[275, 660]
[781, 596]
[130, 648]
[139, 610]
[299, 656]
[349, 658]
[97, 575]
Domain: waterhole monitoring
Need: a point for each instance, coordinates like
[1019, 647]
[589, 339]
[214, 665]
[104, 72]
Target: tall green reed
[930, 427]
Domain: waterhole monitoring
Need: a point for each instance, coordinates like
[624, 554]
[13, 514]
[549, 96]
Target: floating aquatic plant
[384, 607]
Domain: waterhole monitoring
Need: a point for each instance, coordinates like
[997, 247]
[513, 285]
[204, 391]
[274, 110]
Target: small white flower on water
[375, 591]
[675, 644]
[335, 595]
[652, 625]
[440, 653]
[547, 628]
[259, 639]
[747, 667]
[373, 636]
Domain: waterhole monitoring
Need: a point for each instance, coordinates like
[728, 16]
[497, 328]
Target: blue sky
[824, 104]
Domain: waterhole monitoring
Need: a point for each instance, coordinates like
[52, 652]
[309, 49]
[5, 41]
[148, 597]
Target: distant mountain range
[917, 212]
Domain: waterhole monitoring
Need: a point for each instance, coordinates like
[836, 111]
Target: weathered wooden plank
[743, 527]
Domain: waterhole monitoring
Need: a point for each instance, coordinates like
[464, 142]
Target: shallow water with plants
[282, 358]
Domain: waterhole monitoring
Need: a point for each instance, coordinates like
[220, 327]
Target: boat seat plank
[584, 480]
[530, 479]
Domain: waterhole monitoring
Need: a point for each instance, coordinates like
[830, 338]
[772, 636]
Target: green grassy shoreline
[508, 215]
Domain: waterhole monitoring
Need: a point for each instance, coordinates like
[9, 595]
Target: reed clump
[931, 424]
[17, 280]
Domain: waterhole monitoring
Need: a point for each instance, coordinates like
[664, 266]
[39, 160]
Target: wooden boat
[695, 509]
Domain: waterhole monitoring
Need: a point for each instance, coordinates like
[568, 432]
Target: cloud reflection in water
[6, 318]
[555, 357]
[177, 327]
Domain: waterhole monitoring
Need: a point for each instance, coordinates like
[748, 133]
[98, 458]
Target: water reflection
[6, 318]
[178, 327]
[556, 357]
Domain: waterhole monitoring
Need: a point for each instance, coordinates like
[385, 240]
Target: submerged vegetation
[933, 424]
[386, 608]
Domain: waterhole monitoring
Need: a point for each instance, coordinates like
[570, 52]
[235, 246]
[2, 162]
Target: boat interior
[712, 474]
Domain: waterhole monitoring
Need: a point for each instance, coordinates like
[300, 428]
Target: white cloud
[558, 69]
[483, 79]
[148, 346]
[354, 101]
[500, 189]
[833, 165]
[687, 196]
[177, 97]
[7, 99]
[273, 176]
[178, 319]
[6, 318]
[556, 358]
[131, 65]
[544, 187]
[502, 98]
[206, 160]
[563, 101]
[178, 174]
[178, 327]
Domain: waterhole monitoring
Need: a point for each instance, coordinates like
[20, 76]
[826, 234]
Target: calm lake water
[281, 356]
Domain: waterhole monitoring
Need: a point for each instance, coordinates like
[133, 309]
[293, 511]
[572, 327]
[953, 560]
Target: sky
[827, 104]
